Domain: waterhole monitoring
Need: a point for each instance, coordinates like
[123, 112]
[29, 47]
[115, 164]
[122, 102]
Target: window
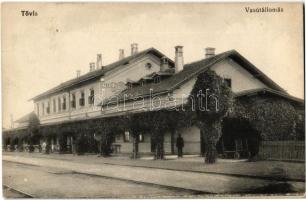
[129, 85]
[43, 108]
[164, 60]
[59, 104]
[148, 65]
[140, 137]
[37, 105]
[118, 138]
[54, 105]
[91, 98]
[156, 79]
[73, 105]
[126, 136]
[228, 82]
[142, 82]
[48, 108]
[64, 103]
[82, 99]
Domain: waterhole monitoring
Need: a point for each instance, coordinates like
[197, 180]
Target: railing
[283, 150]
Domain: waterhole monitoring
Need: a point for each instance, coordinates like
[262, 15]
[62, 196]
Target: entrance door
[153, 144]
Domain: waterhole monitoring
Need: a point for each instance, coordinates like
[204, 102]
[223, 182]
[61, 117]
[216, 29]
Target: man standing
[179, 145]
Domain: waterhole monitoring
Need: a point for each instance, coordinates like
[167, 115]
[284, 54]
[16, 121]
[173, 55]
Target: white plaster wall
[241, 78]
[135, 70]
[192, 138]
[182, 93]
[127, 147]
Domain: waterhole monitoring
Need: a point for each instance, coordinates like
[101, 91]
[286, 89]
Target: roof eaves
[218, 58]
[264, 90]
[107, 68]
[202, 69]
[258, 73]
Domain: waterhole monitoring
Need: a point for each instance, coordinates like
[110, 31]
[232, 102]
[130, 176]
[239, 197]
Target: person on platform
[179, 145]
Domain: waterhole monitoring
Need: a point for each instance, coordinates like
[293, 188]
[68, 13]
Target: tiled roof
[190, 70]
[169, 83]
[99, 73]
[269, 91]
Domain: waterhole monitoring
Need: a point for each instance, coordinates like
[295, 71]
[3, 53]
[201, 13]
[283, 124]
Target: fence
[283, 150]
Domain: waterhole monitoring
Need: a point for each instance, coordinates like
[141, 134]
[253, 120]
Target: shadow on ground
[274, 188]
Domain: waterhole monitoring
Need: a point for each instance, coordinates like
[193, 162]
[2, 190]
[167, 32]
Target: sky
[40, 52]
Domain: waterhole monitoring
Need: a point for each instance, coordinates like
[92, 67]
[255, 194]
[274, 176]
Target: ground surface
[57, 183]
[64, 176]
[269, 169]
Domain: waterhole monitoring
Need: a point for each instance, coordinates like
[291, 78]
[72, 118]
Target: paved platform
[188, 180]
[271, 170]
[30, 181]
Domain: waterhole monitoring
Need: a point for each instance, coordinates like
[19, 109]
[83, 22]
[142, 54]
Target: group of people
[46, 148]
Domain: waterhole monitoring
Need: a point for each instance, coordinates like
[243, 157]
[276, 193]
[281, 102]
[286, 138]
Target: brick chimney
[99, 61]
[164, 65]
[121, 54]
[209, 52]
[91, 66]
[134, 48]
[179, 58]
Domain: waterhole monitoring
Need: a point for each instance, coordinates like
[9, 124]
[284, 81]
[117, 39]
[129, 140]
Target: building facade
[142, 82]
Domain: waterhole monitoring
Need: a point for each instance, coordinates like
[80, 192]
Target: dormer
[131, 83]
[157, 79]
[164, 65]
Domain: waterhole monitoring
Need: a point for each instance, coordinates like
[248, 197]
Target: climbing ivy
[211, 99]
[274, 119]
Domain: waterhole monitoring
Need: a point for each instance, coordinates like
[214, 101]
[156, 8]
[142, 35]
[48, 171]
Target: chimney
[179, 58]
[99, 61]
[209, 52]
[91, 66]
[78, 73]
[121, 54]
[134, 48]
[164, 65]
